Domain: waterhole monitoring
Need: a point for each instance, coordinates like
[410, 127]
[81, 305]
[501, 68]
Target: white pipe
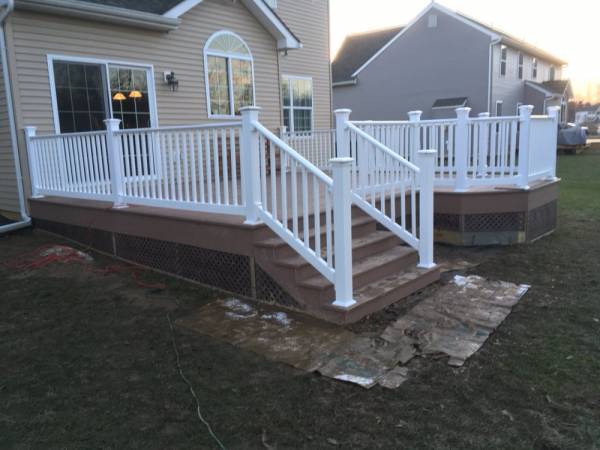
[25, 219]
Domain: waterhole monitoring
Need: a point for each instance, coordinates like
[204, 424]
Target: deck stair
[384, 271]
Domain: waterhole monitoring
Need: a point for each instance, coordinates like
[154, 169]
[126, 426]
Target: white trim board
[431, 6]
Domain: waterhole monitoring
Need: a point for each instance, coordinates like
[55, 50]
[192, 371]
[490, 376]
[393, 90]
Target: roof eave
[101, 13]
[351, 82]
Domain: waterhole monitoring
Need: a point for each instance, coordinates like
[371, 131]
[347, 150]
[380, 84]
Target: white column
[484, 142]
[554, 113]
[250, 164]
[415, 134]
[115, 162]
[342, 231]
[34, 169]
[426, 163]
[461, 149]
[342, 116]
[524, 149]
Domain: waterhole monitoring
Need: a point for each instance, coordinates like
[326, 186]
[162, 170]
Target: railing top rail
[308, 133]
[182, 127]
[494, 119]
[293, 153]
[383, 148]
[380, 122]
[67, 135]
[540, 117]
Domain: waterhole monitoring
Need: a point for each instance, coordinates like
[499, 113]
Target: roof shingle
[149, 6]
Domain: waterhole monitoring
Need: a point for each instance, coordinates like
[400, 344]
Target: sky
[570, 30]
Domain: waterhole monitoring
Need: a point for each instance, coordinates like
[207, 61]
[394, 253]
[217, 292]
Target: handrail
[383, 148]
[293, 153]
[200, 126]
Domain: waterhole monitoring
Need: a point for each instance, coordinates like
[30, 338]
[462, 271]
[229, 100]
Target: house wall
[9, 196]
[424, 64]
[32, 36]
[309, 21]
[509, 88]
[535, 98]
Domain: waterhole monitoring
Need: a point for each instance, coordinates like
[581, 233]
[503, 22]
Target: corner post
[415, 134]
[554, 113]
[484, 142]
[342, 231]
[250, 164]
[32, 159]
[115, 162]
[461, 149]
[524, 147]
[342, 116]
[426, 164]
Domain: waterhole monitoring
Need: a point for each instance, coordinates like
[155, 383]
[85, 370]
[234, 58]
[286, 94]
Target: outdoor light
[135, 94]
[119, 96]
[172, 81]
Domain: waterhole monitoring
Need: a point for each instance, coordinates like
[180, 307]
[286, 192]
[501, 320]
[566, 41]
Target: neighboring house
[440, 61]
[73, 63]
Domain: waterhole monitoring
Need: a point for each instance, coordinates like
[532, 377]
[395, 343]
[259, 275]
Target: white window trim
[228, 56]
[51, 58]
[503, 60]
[534, 69]
[306, 108]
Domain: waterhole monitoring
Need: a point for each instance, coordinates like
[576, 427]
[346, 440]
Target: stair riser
[356, 213]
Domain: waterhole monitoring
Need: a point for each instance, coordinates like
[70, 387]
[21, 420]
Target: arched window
[229, 74]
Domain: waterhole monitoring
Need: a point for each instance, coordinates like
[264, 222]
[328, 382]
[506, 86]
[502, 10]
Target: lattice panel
[268, 290]
[542, 220]
[153, 253]
[450, 222]
[91, 237]
[479, 223]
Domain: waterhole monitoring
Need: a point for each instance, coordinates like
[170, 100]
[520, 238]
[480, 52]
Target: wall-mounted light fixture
[171, 80]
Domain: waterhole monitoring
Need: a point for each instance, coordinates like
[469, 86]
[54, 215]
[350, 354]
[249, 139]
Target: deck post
[461, 149]
[33, 161]
[342, 116]
[524, 148]
[249, 149]
[426, 163]
[483, 144]
[115, 162]
[342, 231]
[415, 135]
[554, 113]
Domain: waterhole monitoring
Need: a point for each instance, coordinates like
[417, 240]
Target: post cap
[463, 112]
[250, 108]
[525, 110]
[415, 114]
[484, 114]
[427, 152]
[341, 161]
[113, 124]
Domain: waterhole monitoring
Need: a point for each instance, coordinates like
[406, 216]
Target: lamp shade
[119, 96]
[135, 94]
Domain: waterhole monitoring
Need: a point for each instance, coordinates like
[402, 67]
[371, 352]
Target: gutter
[100, 13]
[344, 83]
[25, 219]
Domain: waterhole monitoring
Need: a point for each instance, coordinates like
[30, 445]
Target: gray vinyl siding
[33, 36]
[309, 20]
[424, 64]
[9, 197]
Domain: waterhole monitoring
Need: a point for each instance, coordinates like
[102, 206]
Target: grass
[87, 361]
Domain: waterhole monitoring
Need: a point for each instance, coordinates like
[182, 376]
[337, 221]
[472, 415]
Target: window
[552, 73]
[432, 21]
[297, 96]
[520, 69]
[503, 58]
[534, 68]
[499, 104]
[86, 92]
[229, 75]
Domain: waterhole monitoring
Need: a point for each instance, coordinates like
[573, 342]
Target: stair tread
[364, 265]
[277, 241]
[296, 261]
[388, 284]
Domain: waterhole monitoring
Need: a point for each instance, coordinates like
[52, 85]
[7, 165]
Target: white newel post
[524, 148]
[32, 155]
[342, 116]
[250, 164]
[461, 149]
[426, 163]
[554, 113]
[342, 231]
[483, 144]
[115, 162]
[415, 134]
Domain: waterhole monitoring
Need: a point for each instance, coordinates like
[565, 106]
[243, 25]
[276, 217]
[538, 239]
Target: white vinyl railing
[316, 146]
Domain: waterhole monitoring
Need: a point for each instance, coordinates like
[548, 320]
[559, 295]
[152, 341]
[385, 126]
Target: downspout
[491, 72]
[25, 219]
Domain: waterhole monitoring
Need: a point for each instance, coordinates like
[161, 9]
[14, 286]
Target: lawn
[87, 361]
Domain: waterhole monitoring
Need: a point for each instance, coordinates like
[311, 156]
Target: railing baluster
[317, 216]
[201, 180]
[294, 188]
[209, 177]
[234, 176]
[225, 166]
[305, 217]
[216, 165]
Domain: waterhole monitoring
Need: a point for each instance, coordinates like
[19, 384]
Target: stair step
[275, 242]
[359, 246]
[368, 267]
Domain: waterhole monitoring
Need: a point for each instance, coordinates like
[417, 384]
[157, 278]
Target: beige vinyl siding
[309, 21]
[9, 196]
